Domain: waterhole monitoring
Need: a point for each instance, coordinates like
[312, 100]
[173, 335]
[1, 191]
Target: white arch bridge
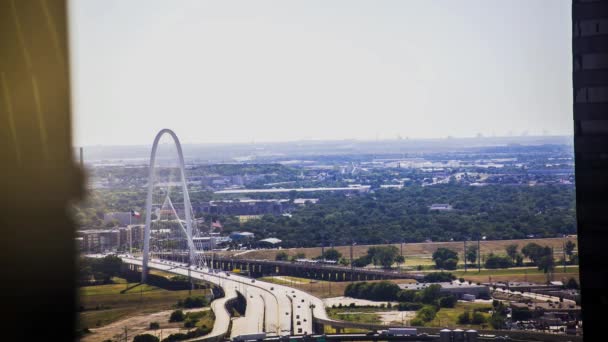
[271, 308]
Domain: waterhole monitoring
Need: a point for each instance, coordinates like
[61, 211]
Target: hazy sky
[241, 71]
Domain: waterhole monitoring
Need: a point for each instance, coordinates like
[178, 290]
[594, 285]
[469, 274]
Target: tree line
[392, 215]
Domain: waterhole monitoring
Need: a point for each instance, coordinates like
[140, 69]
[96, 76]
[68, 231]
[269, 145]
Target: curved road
[271, 308]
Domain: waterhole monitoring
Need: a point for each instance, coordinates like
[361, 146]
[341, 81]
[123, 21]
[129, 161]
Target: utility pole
[352, 243]
[478, 255]
[464, 254]
[126, 338]
[401, 264]
[564, 253]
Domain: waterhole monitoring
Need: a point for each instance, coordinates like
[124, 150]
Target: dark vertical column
[39, 177]
[590, 97]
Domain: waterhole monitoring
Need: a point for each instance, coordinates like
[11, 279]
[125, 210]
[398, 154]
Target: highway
[274, 309]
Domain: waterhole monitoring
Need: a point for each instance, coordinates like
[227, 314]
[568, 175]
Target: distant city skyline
[271, 71]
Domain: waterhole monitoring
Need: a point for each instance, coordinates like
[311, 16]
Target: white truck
[400, 332]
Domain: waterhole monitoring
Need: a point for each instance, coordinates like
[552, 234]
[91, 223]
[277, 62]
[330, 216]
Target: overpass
[276, 310]
[260, 268]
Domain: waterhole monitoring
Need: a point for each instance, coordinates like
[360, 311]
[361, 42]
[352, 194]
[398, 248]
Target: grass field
[360, 315]
[105, 304]
[420, 253]
[448, 317]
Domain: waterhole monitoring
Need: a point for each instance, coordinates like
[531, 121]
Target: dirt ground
[136, 325]
[346, 301]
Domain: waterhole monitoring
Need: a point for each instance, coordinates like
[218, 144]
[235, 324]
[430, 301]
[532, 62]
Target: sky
[264, 71]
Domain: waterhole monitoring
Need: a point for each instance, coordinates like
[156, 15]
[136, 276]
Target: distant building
[98, 240]
[241, 236]
[523, 286]
[205, 242]
[440, 207]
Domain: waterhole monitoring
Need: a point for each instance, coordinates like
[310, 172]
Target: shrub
[497, 321]
[154, 325]
[281, 256]
[438, 277]
[464, 318]
[177, 316]
[176, 337]
[450, 264]
[194, 302]
[406, 306]
[478, 318]
[191, 323]
[427, 313]
[406, 295]
[497, 261]
[145, 338]
[417, 322]
[447, 301]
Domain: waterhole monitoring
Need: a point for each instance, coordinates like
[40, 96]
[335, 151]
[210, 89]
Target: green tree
[546, 262]
[445, 258]
[519, 260]
[498, 261]
[383, 255]
[511, 251]
[331, 254]
[362, 261]
[438, 277]
[532, 251]
[281, 256]
[471, 255]
[448, 301]
[429, 294]
[177, 316]
[569, 249]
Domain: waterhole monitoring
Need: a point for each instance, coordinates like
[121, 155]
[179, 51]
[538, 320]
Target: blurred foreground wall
[38, 178]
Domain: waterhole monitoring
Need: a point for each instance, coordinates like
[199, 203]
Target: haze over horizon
[270, 71]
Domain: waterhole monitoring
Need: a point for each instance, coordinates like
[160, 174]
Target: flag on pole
[135, 213]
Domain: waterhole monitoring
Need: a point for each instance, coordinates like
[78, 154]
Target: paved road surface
[271, 308]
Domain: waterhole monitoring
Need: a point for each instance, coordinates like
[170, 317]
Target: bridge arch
[187, 205]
